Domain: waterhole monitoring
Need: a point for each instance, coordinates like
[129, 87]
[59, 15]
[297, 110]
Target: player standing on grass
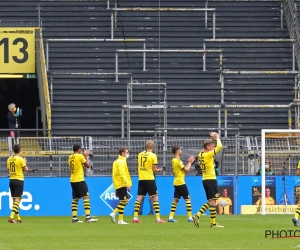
[122, 184]
[206, 161]
[147, 166]
[297, 213]
[76, 163]
[180, 187]
[16, 165]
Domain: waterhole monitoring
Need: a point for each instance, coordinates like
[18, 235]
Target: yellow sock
[136, 208]
[14, 210]
[173, 209]
[297, 213]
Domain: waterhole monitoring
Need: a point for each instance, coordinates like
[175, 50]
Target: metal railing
[239, 156]
[43, 82]
[245, 40]
[165, 51]
[292, 21]
[130, 105]
[48, 156]
[108, 1]
[88, 40]
[19, 23]
[115, 10]
[281, 7]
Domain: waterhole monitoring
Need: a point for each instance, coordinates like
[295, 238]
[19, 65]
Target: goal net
[280, 149]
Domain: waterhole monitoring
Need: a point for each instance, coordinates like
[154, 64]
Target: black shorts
[79, 189]
[211, 189]
[181, 191]
[16, 188]
[122, 193]
[147, 186]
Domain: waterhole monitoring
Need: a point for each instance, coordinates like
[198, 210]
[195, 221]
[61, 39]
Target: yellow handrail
[45, 83]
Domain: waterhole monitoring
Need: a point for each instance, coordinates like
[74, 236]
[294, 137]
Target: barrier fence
[47, 156]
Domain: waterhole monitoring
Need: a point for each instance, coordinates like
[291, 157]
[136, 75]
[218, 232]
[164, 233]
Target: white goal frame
[263, 159]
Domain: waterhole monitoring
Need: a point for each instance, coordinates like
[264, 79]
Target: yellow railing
[45, 83]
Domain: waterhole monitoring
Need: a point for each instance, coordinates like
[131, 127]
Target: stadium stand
[91, 104]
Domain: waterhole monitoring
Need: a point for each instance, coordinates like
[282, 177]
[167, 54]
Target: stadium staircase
[91, 104]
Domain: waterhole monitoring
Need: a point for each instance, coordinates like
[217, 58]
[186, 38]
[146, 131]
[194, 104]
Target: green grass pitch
[240, 232]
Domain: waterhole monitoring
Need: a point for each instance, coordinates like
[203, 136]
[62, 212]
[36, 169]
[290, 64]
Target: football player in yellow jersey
[224, 203]
[209, 180]
[16, 165]
[180, 188]
[147, 166]
[122, 184]
[297, 213]
[76, 163]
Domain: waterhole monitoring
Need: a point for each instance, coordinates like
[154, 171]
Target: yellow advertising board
[270, 209]
[17, 50]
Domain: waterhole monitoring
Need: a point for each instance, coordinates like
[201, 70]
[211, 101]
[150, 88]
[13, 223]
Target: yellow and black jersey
[178, 171]
[120, 174]
[298, 165]
[206, 161]
[145, 162]
[15, 165]
[75, 163]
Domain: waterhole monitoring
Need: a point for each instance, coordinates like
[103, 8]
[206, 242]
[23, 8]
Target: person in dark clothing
[13, 119]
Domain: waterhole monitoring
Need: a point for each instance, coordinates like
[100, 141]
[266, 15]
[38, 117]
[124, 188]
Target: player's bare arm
[86, 154]
[187, 167]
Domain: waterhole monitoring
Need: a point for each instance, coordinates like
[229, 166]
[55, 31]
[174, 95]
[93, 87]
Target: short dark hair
[174, 149]
[208, 142]
[17, 148]
[122, 149]
[76, 147]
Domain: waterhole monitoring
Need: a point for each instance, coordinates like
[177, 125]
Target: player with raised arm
[147, 166]
[122, 184]
[180, 188]
[16, 165]
[76, 163]
[209, 180]
[297, 213]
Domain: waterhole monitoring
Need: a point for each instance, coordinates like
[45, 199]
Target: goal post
[283, 146]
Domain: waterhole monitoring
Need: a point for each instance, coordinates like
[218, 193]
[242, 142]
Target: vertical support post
[219, 122]
[39, 13]
[294, 55]
[122, 122]
[214, 25]
[235, 169]
[90, 147]
[263, 174]
[204, 57]
[117, 66]
[51, 157]
[144, 57]
[236, 155]
[205, 17]
[164, 153]
[108, 5]
[51, 88]
[290, 118]
[59, 164]
[225, 122]
[221, 66]
[281, 16]
[47, 55]
[37, 121]
[112, 25]
[128, 110]
[115, 15]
